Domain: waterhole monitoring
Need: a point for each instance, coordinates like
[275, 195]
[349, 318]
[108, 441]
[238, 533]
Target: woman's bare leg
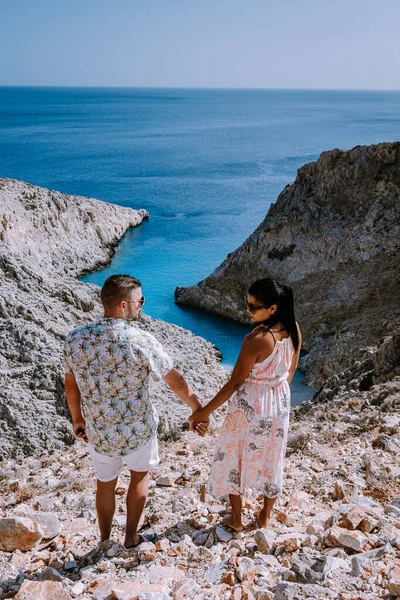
[234, 521]
[265, 513]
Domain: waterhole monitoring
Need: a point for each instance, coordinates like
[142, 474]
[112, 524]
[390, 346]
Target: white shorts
[108, 468]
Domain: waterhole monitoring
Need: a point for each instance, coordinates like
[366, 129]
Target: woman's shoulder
[259, 336]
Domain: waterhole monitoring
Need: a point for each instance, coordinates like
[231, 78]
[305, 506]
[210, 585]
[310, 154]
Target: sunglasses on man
[140, 302]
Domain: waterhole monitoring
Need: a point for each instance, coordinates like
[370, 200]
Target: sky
[310, 44]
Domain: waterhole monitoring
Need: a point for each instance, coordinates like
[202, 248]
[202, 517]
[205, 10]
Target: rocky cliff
[334, 235]
[47, 241]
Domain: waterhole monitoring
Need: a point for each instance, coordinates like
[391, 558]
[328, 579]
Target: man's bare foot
[139, 538]
[262, 519]
[131, 542]
[235, 525]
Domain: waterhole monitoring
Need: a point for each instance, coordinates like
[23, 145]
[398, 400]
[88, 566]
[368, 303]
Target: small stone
[163, 545]
[245, 571]
[167, 480]
[78, 526]
[386, 442]
[393, 586]
[267, 559]
[299, 500]
[70, 565]
[346, 491]
[310, 541]
[223, 535]
[264, 538]
[247, 593]
[146, 551]
[36, 566]
[317, 467]
[50, 524]
[355, 540]
[185, 589]
[368, 524]
[215, 572]
[50, 574]
[95, 585]
[286, 519]
[78, 589]
[352, 519]
[200, 537]
[120, 491]
[229, 578]
[314, 529]
[290, 541]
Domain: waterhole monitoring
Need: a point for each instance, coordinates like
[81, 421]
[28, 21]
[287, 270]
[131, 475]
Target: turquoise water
[206, 164]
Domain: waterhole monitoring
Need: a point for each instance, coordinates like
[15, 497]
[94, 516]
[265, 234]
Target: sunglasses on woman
[253, 307]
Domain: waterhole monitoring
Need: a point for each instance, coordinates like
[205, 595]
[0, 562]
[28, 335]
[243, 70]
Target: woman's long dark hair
[269, 291]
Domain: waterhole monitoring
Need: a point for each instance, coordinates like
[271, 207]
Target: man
[108, 365]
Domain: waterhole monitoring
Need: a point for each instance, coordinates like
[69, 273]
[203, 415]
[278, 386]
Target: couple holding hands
[108, 365]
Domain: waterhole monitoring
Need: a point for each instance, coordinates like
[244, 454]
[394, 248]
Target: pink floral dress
[252, 442]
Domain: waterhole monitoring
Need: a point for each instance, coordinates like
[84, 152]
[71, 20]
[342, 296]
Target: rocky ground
[334, 236]
[335, 531]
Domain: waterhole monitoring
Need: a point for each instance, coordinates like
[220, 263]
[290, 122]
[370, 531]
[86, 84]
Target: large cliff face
[333, 235]
[47, 240]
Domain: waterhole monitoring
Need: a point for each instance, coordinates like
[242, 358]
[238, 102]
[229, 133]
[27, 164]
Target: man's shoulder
[82, 331]
[139, 336]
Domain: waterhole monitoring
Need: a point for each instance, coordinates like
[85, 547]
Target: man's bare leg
[234, 521]
[265, 513]
[135, 502]
[105, 505]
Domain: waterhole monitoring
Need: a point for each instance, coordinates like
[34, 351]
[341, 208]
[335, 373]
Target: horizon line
[152, 87]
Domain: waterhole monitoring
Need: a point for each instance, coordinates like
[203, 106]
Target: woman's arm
[253, 345]
[296, 356]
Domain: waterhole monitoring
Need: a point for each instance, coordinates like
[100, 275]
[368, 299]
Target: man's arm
[182, 389]
[74, 404]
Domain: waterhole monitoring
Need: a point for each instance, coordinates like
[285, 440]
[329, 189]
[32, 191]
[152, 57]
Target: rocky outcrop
[48, 240]
[334, 235]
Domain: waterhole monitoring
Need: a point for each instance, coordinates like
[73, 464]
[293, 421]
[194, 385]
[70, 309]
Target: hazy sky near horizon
[320, 44]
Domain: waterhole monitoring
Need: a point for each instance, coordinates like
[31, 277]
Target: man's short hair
[117, 288]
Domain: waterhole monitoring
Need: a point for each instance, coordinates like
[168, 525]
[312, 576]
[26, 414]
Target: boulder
[42, 590]
[19, 533]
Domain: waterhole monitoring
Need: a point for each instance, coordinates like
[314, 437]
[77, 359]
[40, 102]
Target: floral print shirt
[112, 361]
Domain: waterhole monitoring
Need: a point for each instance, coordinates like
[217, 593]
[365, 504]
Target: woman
[252, 442]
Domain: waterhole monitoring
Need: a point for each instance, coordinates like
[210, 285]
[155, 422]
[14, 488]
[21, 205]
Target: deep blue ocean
[206, 164]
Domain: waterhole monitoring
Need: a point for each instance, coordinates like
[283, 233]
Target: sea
[205, 163]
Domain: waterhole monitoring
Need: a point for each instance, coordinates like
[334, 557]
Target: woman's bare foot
[235, 525]
[262, 519]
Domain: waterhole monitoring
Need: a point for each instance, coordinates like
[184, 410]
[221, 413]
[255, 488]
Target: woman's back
[274, 368]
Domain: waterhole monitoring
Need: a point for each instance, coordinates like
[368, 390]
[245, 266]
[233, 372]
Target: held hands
[199, 421]
[79, 428]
